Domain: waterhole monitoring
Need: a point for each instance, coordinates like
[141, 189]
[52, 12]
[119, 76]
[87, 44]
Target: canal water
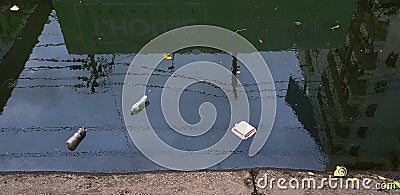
[334, 64]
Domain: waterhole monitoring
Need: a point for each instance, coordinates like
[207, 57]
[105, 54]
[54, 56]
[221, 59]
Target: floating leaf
[310, 173]
[166, 56]
[382, 178]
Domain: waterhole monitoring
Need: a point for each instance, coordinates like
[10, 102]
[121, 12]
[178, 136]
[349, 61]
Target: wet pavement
[337, 89]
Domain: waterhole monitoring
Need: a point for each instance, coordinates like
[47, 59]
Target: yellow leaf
[166, 56]
[311, 173]
[261, 41]
[381, 178]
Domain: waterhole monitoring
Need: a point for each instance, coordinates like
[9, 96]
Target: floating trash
[243, 130]
[75, 139]
[239, 30]
[14, 8]
[139, 105]
[335, 27]
[297, 23]
[260, 41]
[166, 56]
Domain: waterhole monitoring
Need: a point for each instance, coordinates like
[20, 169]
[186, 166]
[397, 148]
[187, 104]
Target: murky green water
[335, 66]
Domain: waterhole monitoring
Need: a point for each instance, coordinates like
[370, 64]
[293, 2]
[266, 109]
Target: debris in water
[243, 129]
[14, 8]
[310, 173]
[335, 27]
[75, 139]
[166, 56]
[297, 23]
[260, 41]
[139, 105]
[276, 8]
[239, 30]
[244, 29]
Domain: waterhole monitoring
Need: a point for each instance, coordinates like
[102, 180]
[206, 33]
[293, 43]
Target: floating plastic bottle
[75, 139]
[139, 105]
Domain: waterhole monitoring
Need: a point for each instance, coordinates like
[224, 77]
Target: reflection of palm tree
[94, 74]
[98, 68]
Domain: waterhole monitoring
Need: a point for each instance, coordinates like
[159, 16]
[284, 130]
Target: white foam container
[243, 130]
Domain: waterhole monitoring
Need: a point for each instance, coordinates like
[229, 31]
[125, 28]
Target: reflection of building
[123, 26]
[354, 92]
[25, 24]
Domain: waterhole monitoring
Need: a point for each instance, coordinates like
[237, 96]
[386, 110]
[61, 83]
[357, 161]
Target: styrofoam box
[243, 130]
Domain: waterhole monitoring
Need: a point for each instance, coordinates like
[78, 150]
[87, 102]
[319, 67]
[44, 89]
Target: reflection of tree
[98, 68]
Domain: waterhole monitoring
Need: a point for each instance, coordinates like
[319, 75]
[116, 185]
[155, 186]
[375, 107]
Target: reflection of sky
[45, 109]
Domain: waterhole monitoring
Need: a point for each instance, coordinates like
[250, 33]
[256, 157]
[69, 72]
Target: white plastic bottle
[139, 105]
